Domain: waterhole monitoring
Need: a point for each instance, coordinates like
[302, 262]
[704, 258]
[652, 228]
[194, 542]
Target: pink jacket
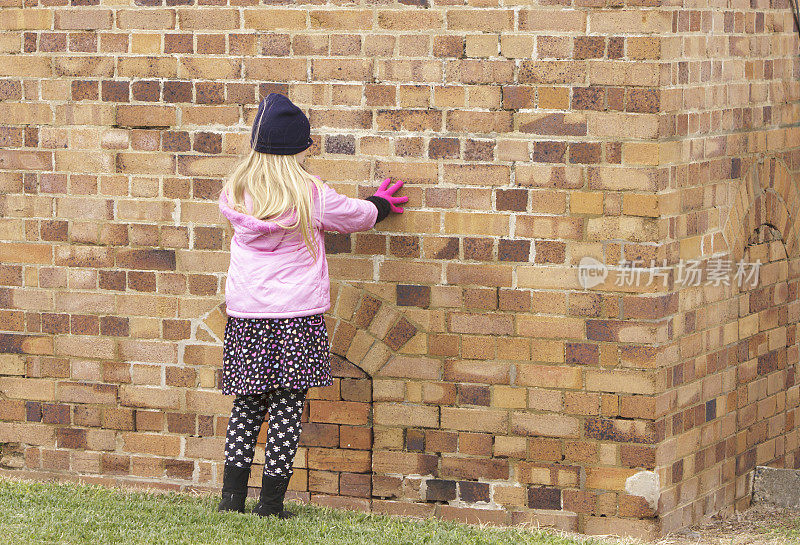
[272, 274]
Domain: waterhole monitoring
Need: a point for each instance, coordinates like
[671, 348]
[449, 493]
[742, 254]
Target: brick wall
[476, 379]
[731, 401]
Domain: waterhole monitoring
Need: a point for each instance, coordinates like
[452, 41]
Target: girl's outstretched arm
[347, 215]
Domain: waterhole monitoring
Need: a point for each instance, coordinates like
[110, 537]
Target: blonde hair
[277, 184]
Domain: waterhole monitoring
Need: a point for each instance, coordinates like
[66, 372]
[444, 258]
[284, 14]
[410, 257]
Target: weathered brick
[202, 19]
[83, 19]
[340, 20]
[474, 419]
[339, 412]
[489, 20]
[135, 115]
[440, 490]
[148, 397]
[551, 425]
[147, 259]
[78, 392]
[391, 413]
[474, 468]
[542, 497]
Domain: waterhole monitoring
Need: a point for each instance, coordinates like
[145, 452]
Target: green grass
[785, 526]
[53, 512]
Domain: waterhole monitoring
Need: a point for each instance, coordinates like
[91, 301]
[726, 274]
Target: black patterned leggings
[248, 413]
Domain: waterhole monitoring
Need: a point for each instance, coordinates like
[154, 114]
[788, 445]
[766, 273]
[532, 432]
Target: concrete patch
[777, 486]
[644, 484]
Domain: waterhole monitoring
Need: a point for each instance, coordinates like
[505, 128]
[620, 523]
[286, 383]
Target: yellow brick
[142, 327]
[414, 392]
[514, 348]
[145, 115]
[547, 351]
[280, 69]
[481, 45]
[516, 47]
[10, 42]
[339, 19]
[147, 67]
[12, 229]
[476, 224]
[83, 346]
[145, 19]
[640, 153]
[208, 115]
[274, 19]
[622, 125]
[83, 19]
[418, 221]
[641, 47]
[505, 445]
[449, 96]
[624, 73]
[405, 20]
[509, 397]
[391, 414]
[516, 496]
[622, 227]
[624, 381]
[413, 96]
[33, 389]
[488, 20]
[547, 327]
[28, 432]
[640, 205]
[11, 252]
[202, 19]
[144, 44]
[484, 96]
[148, 351]
[25, 66]
[25, 19]
[553, 98]
[607, 478]
[630, 21]
[388, 390]
[209, 68]
[146, 305]
[145, 163]
[550, 376]
[581, 202]
[85, 114]
[404, 70]
[474, 419]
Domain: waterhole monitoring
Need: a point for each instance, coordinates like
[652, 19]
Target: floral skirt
[260, 354]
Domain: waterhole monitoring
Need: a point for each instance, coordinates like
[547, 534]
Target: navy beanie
[280, 127]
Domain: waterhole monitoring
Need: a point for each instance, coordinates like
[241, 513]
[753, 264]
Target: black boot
[273, 489]
[234, 488]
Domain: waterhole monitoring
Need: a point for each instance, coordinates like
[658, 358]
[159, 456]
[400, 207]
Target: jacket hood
[257, 233]
[253, 232]
[246, 222]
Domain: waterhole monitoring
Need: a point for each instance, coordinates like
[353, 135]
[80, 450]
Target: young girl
[277, 290]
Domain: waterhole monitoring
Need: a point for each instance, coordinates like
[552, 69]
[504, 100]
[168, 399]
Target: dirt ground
[761, 524]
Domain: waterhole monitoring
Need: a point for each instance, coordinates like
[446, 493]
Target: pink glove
[386, 192]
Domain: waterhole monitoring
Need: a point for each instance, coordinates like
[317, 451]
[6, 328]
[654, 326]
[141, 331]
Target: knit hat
[280, 127]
